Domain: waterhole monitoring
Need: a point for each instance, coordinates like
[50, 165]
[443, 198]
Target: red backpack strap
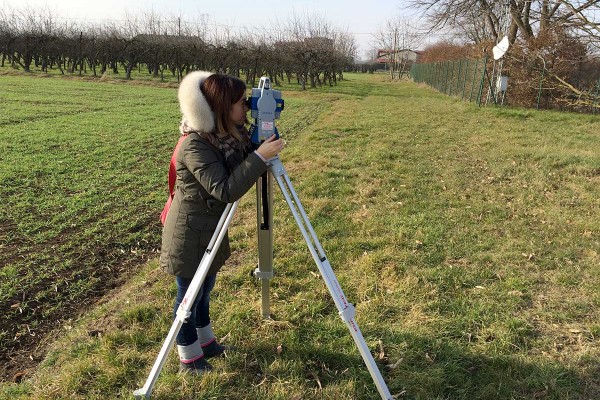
[172, 179]
[172, 166]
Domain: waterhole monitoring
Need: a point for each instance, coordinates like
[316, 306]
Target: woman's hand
[270, 147]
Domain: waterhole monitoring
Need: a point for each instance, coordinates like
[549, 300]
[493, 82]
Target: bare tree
[9, 33]
[345, 55]
[395, 37]
[528, 18]
[479, 23]
[313, 50]
[35, 27]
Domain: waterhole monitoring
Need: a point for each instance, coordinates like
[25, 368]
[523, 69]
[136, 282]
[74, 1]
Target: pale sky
[359, 17]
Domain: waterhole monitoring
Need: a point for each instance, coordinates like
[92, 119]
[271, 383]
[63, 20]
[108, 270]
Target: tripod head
[265, 105]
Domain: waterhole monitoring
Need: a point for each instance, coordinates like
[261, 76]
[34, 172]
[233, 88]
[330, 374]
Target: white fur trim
[193, 105]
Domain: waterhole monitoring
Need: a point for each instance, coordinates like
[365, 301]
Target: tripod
[265, 272]
[183, 312]
[345, 308]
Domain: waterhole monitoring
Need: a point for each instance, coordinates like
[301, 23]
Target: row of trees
[306, 48]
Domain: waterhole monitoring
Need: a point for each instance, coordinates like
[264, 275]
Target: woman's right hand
[270, 147]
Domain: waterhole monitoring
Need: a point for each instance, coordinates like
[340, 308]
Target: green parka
[204, 186]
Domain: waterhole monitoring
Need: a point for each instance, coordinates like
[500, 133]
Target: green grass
[468, 238]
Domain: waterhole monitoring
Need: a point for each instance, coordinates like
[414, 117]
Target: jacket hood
[193, 104]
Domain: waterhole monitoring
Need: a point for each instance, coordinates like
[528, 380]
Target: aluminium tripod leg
[345, 308]
[183, 312]
[264, 223]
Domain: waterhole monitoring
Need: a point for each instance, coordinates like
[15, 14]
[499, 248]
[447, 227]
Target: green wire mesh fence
[464, 78]
[471, 80]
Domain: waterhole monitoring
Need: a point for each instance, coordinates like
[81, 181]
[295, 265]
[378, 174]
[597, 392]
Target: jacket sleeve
[203, 162]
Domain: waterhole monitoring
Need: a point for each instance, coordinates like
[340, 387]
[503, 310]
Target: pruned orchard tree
[314, 51]
[35, 29]
[9, 32]
[343, 56]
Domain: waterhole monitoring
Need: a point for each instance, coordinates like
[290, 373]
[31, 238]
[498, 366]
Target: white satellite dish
[500, 48]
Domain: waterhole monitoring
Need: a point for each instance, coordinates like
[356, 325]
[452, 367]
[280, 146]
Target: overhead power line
[187, 22]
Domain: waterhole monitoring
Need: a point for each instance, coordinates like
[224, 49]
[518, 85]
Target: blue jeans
[199, 316]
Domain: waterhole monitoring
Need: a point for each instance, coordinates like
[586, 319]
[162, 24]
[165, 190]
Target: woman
[215, 166]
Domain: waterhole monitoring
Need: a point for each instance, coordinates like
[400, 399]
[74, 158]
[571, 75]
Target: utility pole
[393, 59]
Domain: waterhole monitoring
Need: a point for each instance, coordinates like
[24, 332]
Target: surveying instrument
[266, 105]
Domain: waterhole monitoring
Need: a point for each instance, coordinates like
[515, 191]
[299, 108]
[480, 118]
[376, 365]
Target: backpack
[172, 179]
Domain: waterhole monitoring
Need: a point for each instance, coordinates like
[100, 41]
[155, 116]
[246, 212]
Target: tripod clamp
[257, 273]
[348, 313]
[183, 314]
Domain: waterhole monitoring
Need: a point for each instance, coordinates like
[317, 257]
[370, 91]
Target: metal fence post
[446, 77]
[458, 76]
[540, 88]
[595, 97]
[473, 81]
[450, 79]
[462, 97]
[482, 81]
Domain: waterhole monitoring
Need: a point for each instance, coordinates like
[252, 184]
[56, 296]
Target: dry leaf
[314, 375]
[396, 364]
[224, 338]
[381, 355]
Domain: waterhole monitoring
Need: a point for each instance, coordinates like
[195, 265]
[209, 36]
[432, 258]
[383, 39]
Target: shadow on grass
[436, 369]
[414, 367]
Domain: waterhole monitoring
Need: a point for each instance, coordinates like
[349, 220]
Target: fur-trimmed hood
[193, 104]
